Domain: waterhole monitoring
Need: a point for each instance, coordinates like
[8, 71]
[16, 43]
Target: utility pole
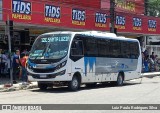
[146, 7]
[9, 24]
[112, 15]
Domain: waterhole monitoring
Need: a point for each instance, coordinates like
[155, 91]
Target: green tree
[153, 8]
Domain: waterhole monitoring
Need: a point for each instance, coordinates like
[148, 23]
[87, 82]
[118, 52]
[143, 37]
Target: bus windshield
[50, 46]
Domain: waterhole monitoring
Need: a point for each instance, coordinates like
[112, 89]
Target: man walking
[16, 66]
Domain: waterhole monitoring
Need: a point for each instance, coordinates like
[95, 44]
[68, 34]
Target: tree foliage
[154, 8]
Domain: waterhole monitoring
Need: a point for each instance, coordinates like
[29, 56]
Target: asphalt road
[139, 91]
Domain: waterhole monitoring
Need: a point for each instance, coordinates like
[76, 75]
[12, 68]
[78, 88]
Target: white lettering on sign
[52, 11]
[137, 22]
[22, 7]
[78, 15]
[152, 23]
[120, 20]
[101, 18]
[54, 39]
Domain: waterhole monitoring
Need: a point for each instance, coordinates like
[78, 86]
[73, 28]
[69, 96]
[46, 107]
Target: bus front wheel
[42, 86]
[74, 84]
[120, 79]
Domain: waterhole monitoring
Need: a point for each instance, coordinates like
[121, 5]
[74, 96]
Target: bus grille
[43, 70]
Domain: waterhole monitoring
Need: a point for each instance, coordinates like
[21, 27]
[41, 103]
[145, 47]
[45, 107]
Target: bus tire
[120, 79]
[74, 84]
[42, 86]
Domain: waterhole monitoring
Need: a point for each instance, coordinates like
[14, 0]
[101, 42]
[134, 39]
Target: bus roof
[99, 33]
[94, 33]
[91, 33]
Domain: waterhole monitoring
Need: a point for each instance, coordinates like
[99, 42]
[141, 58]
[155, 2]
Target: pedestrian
[146, 53]
[156, 63]
[143, 58]
[146, 63]
[4, 62]
[153, 56]
[16, 66]
[0, 61]
[23, 61]
[151, 64]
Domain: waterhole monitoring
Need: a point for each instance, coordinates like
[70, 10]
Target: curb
[148, 75]
[16, 87]
[151, 76]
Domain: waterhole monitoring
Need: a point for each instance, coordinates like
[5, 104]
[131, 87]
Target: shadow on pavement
[66, 90]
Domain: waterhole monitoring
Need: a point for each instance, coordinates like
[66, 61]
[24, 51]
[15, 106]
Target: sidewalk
[5, 85]
[150, 74]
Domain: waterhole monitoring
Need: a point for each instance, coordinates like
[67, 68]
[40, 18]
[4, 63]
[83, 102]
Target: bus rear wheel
[74, 84]
[120, 79]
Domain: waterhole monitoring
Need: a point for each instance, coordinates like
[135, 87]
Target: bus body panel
[65, 77]
[87, 74]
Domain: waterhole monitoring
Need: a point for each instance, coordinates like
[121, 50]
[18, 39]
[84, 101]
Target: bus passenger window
[115, 48]
[134, 47]
[125, 49]
[91, 47]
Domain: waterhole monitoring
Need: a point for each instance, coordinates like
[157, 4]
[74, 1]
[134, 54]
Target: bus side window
[115, 49]
[125, 49]
[101, 44]
[77, 48]
[134, 47]
[91, 47]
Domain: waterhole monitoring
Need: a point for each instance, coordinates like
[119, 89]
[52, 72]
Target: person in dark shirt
[146, 53]
[16, 64]
[153, 56]
[0, 60]
[143, 59]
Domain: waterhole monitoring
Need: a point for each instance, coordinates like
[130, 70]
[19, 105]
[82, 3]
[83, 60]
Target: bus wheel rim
[75, 83]
[120, 79]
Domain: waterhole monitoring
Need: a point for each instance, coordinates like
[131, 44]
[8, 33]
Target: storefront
[153, 44]
[33, 17]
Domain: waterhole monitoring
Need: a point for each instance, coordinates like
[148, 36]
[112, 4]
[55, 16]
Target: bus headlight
[61, 65]
[30, 64]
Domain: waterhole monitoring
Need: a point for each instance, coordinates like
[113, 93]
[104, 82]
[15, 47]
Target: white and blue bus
[75, 58]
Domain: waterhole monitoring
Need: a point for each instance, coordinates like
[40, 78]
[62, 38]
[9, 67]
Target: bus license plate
[43, 76]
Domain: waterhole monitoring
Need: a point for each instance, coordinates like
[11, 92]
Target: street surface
[139, 91]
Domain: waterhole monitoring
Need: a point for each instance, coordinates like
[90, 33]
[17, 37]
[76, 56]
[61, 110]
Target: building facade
[33, 17]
